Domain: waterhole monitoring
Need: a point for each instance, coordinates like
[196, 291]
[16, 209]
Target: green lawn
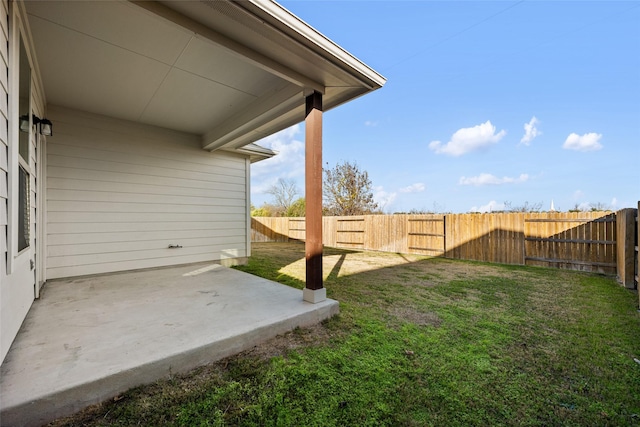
[419, 341]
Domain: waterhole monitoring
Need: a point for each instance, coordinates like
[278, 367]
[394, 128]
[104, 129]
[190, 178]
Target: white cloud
[413, 188]
[586, 142]
[287, 163]
[263, 185]
[578, 201]
[488, 179]
[469, 139]
[371, 123]
[584, 206]
[614, 203]
[489, 207]
[383, 198]
[530, 131]
[289, 160]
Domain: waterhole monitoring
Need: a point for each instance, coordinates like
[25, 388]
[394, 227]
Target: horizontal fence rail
[586, 241]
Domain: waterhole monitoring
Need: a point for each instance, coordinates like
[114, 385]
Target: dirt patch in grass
[313, 335]
[415, 315]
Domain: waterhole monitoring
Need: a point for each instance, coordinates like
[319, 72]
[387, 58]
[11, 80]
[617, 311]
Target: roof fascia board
[255, 152]
[232, 46]
[338, 56]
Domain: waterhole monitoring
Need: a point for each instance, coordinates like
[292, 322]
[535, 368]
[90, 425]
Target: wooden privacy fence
[584, 241]
[420, 234]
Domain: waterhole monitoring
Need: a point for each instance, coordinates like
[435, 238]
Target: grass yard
[419, 342]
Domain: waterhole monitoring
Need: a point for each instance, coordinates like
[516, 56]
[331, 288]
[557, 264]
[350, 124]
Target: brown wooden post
[314, 291]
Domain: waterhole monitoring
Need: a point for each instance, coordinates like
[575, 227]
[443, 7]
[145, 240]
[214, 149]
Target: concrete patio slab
[88, 339]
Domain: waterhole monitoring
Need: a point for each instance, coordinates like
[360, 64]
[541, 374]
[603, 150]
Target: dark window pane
[23, 209]
[24, 103]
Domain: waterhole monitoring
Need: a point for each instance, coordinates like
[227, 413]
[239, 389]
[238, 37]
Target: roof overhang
[256, 152]
[232, 72]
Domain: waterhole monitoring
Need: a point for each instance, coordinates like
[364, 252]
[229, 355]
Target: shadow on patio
[88, 339]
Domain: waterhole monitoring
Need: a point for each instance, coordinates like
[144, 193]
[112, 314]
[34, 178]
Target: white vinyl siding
[119, 193]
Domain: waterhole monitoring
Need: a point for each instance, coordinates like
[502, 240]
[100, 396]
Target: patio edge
[45, 409]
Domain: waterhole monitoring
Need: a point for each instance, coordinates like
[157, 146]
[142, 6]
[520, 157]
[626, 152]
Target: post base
[314, 296]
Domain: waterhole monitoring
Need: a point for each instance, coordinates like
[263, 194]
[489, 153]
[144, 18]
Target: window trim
[24, 167]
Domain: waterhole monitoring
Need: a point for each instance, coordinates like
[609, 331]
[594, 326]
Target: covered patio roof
[90, 338]
[231, 72]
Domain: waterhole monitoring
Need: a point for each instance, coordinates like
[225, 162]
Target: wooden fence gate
[571, 241]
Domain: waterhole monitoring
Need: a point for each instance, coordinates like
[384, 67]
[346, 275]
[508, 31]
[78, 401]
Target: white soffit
[117, 59]
[229, 72]
[118, 23]
[85, 73]
[217, 65]
[184, 101]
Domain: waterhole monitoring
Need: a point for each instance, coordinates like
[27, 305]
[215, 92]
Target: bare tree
[576, 208]
[348, 191]
[599, 206]
[284, 193]
[526, 207]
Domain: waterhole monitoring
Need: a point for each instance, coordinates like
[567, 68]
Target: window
[24, 115]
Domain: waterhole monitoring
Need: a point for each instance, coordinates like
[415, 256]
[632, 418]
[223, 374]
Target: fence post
[625, 223]
[444, 236]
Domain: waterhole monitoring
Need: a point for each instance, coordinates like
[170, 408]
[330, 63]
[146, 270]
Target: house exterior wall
[119, 193]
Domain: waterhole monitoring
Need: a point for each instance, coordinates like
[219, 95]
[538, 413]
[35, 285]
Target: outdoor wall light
[45, 127]
[24, 123]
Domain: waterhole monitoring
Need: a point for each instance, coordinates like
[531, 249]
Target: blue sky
[485, 103]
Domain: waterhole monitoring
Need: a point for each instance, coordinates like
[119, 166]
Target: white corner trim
[247, 195]
[314, 296]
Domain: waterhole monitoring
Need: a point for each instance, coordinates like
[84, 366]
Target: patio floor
[88, 339]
